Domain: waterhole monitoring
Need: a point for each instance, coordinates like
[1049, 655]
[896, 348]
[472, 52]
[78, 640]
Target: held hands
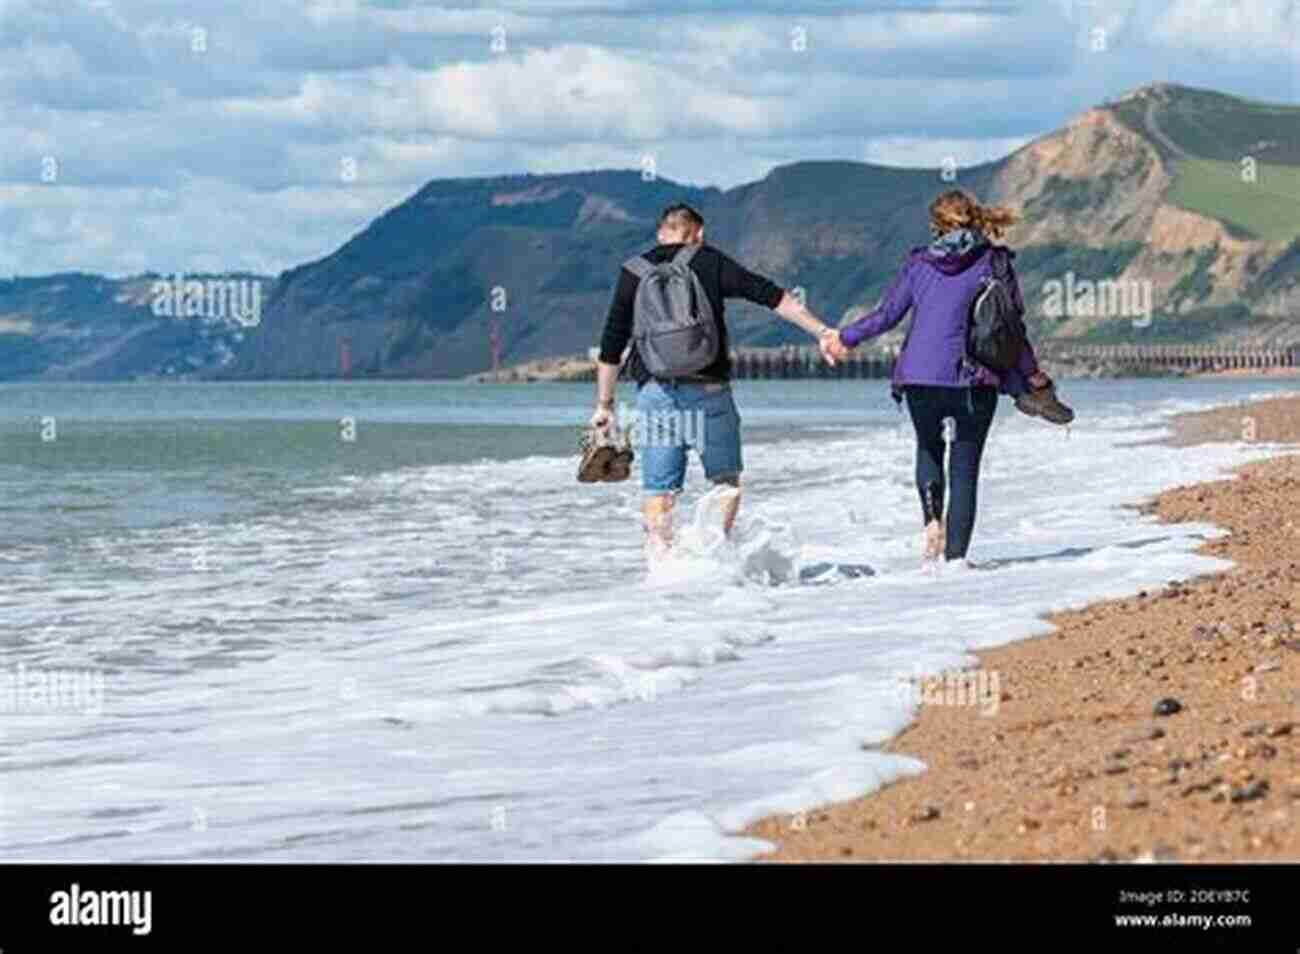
[833, 350]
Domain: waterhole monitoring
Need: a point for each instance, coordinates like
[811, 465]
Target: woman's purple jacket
[939, 290]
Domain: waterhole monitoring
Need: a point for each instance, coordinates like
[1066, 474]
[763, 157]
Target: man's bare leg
[731, 504]
[657, 516]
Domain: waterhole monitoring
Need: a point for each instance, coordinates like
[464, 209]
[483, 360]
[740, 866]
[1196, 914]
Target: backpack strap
[1002, 271]
[686, 253]
[638, 266]
[1001, 263]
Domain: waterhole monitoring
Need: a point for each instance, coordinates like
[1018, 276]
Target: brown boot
[620, 465]
[1044, 403]
[606, 456]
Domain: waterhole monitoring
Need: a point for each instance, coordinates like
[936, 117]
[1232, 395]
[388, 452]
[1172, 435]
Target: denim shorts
[673, 417]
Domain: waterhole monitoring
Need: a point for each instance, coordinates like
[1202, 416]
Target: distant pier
[801, 362]
[794, 362]
[1188, 359]
[797, 362]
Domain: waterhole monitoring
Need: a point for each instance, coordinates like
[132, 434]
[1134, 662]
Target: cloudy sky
[258, 134]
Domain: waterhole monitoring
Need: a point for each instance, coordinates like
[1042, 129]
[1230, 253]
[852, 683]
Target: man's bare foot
[657, 549]
[657, 519]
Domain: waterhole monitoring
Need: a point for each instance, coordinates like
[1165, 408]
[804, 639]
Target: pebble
[926, 813]
[1135, 799]
[1144, 733]
[1254, 790]
[1255, 728]
[1282, 729]
[1168, 706]
[1271, 666]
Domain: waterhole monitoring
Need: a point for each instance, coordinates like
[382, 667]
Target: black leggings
[972, 409]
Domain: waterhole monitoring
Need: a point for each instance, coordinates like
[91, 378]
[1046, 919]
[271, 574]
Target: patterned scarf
[957, 242]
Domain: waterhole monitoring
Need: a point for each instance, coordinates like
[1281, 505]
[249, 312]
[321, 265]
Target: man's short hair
[682, 213]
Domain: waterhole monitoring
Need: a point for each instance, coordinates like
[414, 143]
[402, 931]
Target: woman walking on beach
[934, 373]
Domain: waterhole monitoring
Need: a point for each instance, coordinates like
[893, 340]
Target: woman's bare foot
[934, 538]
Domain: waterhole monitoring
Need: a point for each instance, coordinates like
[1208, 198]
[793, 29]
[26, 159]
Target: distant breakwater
[794, 362]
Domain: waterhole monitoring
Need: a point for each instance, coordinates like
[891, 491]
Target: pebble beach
[1162, 726]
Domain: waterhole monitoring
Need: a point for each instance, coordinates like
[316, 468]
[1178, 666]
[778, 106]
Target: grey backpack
[672, 320]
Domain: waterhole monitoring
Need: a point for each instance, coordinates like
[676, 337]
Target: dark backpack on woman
[997, 333]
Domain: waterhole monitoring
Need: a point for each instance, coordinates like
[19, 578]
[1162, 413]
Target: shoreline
[1074, 763]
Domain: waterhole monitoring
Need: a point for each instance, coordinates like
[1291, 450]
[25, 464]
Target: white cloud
[564, 92]
[1238, 29]
[169, 159]
[204, 224]
[936, 153]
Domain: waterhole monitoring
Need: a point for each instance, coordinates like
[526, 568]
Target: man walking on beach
[705, 394]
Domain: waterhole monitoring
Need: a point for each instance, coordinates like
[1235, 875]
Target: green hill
[1233, 159]
[1147, 189]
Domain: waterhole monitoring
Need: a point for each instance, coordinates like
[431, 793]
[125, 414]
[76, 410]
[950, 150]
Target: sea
[382, 621]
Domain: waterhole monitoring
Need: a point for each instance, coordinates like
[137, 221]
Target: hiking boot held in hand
[606, 455]
[1042, 402]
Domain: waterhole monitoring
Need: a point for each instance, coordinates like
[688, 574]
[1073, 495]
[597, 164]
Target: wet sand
[1084, 758]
